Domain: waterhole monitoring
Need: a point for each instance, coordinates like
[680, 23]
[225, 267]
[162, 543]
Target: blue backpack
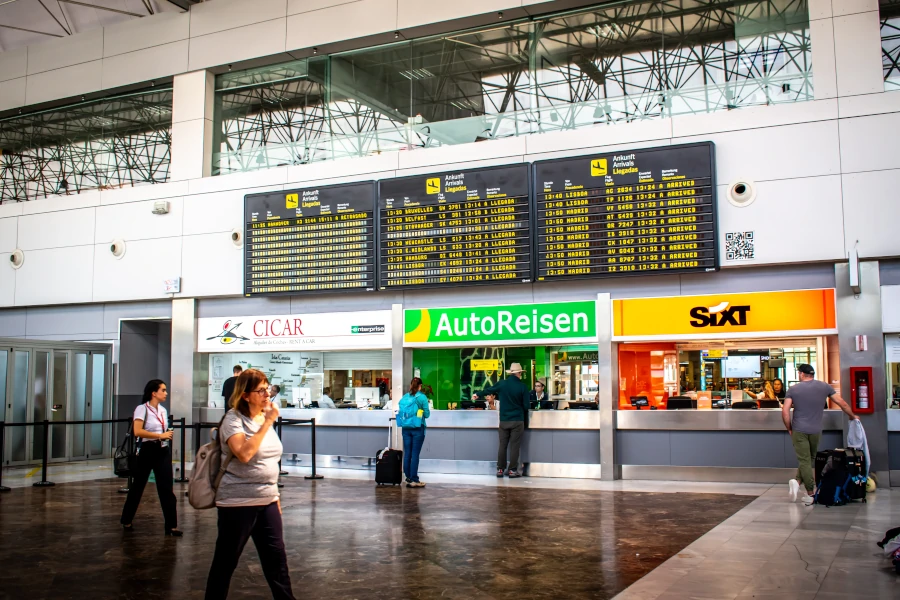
[407, 414]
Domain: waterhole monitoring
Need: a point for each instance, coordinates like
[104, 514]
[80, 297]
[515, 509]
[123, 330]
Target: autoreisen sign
[485, 325]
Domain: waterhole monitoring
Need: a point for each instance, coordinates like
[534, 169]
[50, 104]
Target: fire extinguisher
[862, 399]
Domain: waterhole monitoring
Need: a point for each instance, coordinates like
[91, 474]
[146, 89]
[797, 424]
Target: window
[890, 43]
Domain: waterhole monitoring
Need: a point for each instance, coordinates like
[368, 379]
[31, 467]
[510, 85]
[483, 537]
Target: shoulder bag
[125, 457]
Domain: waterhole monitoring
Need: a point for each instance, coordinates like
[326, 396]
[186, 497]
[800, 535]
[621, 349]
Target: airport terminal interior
[475, 300]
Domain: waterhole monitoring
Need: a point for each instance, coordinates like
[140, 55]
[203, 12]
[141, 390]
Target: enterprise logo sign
[719, 315]
[367, 329]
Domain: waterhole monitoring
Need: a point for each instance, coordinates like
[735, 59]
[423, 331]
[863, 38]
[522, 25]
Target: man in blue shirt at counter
[513, 397]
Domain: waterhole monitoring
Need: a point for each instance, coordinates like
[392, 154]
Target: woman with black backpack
[154, 453]
[411, 415]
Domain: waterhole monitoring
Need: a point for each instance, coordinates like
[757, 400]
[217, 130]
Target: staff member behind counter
[325, 401]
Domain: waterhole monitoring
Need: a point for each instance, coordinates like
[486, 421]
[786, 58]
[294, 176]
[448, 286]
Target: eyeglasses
[260, 392]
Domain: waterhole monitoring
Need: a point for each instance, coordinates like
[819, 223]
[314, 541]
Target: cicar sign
[796, 312]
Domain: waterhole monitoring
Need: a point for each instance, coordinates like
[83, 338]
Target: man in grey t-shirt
[808, 399]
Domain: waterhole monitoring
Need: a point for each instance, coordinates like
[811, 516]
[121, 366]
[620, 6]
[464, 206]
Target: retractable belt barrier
[173, 424]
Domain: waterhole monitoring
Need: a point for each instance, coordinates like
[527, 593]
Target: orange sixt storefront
[701, 381]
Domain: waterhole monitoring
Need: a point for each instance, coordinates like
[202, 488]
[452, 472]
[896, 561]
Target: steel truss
[638, 60]
[104, 144]
[890, 43]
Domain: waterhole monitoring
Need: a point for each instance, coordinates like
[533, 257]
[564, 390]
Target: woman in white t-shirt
[151, 427]
[247, 500]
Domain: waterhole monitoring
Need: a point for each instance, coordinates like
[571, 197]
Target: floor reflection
[349, 539]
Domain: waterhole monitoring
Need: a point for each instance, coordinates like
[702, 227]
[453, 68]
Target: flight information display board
[458, 228]
[624, 213]
[310, 240]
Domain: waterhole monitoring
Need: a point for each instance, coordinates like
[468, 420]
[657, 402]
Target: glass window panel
[60, 404]
[79, 402]
[98, 396]
[39, 403]
[890, 43]
[18, 435]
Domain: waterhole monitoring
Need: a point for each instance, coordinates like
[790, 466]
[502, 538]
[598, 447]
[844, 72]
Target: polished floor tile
[349, 539]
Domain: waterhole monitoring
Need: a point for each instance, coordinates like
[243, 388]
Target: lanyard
[158, 418]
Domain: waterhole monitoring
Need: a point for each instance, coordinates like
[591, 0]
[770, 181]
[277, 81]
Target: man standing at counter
[808, 399]
[228, 385]
[513, 397]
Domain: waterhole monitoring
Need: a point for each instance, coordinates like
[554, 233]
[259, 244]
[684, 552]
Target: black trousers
[237, 525]
[153, 457]
[510, 435]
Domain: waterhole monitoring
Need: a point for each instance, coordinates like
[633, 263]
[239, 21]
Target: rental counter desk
[702, 379]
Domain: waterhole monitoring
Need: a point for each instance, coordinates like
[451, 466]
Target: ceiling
[26, 22]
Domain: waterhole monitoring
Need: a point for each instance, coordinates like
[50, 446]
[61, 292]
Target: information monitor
[457, 228]
[310, 240]
[627, 213]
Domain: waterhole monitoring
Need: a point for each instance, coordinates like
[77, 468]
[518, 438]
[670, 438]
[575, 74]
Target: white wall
[826, 171]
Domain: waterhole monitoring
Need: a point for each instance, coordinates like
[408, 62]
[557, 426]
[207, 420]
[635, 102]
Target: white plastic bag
[856, 438]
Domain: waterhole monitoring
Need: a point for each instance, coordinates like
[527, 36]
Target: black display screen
[627, 213]
[310, 240]
[456, 228]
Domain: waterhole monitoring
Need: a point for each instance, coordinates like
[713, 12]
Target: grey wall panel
[782, 277]
[13, 322]
[344, 302]
[237, 307]
[164, 350]
[475, 444]
[576, 447]
[72, 319]
[138, 359]
[364, 441]
[537, 446]
[635, 447]
[829, 441]
[332, 440]
[296, 440]
[439, 444]
[889, 272]
[894, 449]
[727, 449]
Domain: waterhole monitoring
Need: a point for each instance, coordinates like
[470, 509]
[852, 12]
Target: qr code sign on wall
[739, 245]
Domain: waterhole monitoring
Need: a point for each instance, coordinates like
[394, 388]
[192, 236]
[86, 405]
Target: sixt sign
[719, 315]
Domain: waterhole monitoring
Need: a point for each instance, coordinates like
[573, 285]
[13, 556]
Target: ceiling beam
[54, 18]
[183, 4]
[30, 30]
[115, 10]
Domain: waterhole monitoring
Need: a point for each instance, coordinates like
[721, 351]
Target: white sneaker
[793, 489]
[808, 500]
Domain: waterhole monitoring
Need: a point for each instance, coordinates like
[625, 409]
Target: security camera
[16, 259]
[742, 193]
[117, 248]
[237, 237]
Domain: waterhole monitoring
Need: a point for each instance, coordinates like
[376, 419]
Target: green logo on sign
[557, 321]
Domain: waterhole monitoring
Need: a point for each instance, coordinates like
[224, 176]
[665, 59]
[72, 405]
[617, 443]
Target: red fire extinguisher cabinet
[862, 398]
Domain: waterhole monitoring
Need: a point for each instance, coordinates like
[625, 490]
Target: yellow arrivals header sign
[484, 365]
[808, 311]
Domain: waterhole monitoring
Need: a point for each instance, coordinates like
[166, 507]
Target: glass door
[59, 406]
[17, 387]
[40, 398]
[80, 394]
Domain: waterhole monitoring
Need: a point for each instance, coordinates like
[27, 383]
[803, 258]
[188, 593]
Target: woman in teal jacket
[411, 415]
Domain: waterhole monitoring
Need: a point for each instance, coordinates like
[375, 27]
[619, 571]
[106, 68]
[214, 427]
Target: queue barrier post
[183, 478]
[313, 475]
[280, 427]
[43, 482]
[3, 488]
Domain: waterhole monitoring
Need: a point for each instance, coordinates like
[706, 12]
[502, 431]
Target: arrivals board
[625, 213]
[310, 240]
[456, 228]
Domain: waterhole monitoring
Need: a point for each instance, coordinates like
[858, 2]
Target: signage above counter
[554, 323]
[800, 312]
[369, 330]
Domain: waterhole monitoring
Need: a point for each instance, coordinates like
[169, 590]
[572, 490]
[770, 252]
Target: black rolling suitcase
[856, 471]
[389, 464]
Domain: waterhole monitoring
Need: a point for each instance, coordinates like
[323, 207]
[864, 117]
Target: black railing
[173, 424]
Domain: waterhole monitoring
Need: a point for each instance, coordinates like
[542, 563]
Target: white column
[192, 125]
[184, 344]
[821, 33]
[608, 367]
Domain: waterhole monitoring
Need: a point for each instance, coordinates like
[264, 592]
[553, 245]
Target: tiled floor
[777, 549]
[767, 549]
